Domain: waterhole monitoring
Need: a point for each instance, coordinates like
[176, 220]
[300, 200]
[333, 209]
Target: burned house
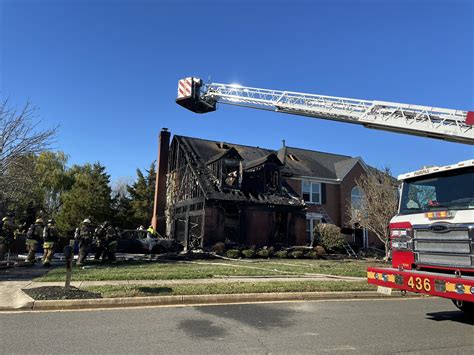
[209, 192]
[229, 193]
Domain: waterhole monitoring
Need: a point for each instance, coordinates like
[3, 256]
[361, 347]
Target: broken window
[231, 173]
[273, 180]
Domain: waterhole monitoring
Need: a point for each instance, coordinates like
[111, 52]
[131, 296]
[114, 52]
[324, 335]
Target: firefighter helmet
[86, 221]
[39, 220]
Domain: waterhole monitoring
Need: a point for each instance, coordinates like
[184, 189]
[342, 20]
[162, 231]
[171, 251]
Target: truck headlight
[401, 244]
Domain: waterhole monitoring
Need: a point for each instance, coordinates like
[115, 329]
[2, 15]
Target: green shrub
[319, 249]
[219, 248]
[233, 253]
[248, 253]
[301, 249]
[281, 254]
[297, 254]
[312, 255]
[264, 253]
[328, 235]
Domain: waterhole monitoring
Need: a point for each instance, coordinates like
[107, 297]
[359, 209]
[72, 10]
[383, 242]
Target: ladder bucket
[189, 96]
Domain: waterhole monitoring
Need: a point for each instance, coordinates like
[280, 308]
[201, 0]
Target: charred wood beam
[189, 202]
[189, 213]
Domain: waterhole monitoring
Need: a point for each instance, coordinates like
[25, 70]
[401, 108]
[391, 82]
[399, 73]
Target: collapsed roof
[293, 162]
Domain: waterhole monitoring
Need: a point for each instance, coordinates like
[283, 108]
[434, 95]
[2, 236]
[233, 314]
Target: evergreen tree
[89, 197]
[142, 195]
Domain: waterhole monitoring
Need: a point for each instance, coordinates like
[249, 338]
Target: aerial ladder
[446, 124]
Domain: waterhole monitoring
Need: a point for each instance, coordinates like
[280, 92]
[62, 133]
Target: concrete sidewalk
[12, 297]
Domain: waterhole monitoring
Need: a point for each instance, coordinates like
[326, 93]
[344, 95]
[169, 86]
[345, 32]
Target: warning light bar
[439, 215]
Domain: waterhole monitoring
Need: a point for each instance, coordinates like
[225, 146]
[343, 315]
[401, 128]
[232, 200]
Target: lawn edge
[194, 300]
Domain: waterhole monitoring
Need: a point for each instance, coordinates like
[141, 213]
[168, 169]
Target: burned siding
[212, 189]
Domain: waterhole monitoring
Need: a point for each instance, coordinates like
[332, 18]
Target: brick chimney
[159, 222]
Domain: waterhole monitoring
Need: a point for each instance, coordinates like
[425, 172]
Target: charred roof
[296, 161]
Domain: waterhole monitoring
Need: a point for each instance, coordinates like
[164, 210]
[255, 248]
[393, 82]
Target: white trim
[312, 217]
[316, 179]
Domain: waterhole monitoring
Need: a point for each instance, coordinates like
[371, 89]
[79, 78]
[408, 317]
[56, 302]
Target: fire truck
[432, 236]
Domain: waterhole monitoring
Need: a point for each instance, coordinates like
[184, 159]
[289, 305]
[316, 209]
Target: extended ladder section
[451, 125]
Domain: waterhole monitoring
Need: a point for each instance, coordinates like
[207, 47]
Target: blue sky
[106, 71]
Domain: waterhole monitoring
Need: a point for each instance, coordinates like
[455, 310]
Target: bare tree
[20, 139]
[378, 204]
[120, 185]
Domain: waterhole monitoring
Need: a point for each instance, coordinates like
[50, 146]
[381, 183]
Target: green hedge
[232, 253]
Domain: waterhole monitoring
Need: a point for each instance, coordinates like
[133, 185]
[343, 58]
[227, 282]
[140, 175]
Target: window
[312, 192]
[356, 198]
[452, 190]
[231, 173]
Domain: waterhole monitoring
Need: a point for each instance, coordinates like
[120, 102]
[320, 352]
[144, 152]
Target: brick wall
[333, 200]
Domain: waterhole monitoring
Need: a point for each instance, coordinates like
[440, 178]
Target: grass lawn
[173, 270]
[229, 288]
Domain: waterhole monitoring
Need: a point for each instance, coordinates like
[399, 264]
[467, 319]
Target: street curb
[186, 300]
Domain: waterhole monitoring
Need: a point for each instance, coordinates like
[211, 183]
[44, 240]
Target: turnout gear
[7, 234]
[50, 238]
[106, 242]
[86, 232]
[111, 240]
[100, 235]
[33, 237]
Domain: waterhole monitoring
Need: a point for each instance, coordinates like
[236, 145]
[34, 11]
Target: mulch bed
[59, 293]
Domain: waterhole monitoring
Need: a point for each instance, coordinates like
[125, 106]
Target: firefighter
[100, 241]
[33, 238]
[151, 236]
[111, 237]
[7, 233]
[86, 232]
[150, 232]
[50, 240]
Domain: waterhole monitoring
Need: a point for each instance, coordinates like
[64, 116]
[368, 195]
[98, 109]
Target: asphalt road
[358, 327]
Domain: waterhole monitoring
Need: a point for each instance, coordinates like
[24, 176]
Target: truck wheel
[466, 307]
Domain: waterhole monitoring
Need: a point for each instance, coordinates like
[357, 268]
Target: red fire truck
[432, 236]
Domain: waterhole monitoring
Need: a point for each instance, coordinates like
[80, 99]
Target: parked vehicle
[137, 241]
